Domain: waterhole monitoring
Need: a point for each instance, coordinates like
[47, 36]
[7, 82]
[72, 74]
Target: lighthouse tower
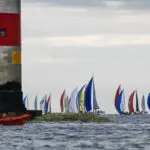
[10, 57]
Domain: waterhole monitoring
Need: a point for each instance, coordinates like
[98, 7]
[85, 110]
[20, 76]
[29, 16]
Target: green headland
[62, 117]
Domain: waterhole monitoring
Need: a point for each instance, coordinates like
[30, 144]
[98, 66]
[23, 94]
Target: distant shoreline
[63, 117]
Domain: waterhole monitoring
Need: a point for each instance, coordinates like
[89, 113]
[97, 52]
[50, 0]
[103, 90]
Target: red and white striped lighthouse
[10, 56]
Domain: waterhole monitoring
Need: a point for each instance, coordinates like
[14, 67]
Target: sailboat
[120, 104]
[90, 97]
[131, 103]
[143, 105]
[119, 101]
[116, 96]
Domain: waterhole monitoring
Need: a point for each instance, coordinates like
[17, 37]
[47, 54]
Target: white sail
[143, 104]
[95, 104]
[25, 101]
[125, 109]
[42, 104]
[122, 104]
[72, 101]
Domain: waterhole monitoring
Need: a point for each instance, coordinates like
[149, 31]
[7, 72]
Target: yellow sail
[82, 98]
[66, 104]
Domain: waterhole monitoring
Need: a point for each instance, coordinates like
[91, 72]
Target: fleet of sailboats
[120, 103]
[81, 100]
[84, 100]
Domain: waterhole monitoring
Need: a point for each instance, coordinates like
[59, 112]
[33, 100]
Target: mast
[92, 92]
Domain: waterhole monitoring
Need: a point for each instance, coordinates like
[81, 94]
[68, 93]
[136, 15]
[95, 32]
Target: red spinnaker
[117, 94]
[62, 101]
[131, 108]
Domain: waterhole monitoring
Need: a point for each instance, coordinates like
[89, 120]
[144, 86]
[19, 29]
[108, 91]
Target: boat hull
[135, 113]
[100, 113]
[19, 120]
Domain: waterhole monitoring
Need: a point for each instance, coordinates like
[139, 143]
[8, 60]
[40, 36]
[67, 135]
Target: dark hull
[135, 113]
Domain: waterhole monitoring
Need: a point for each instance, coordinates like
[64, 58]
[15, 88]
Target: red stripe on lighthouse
[10, 23]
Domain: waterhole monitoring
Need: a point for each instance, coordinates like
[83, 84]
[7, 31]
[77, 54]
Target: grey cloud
[137, 4]
[60, 22]
[124, 4]
[78, 3]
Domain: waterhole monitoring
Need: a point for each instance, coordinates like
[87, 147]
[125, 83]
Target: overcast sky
[65, 42]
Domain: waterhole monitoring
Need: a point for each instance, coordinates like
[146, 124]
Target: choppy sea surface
[124, 133]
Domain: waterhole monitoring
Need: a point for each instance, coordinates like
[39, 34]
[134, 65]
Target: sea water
[124, 133]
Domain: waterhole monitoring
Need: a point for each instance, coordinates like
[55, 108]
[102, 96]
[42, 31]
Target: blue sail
[148, 101]
[47, 104]
[42, 101]
[88, 105]
[35, 103]
[118, 102]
